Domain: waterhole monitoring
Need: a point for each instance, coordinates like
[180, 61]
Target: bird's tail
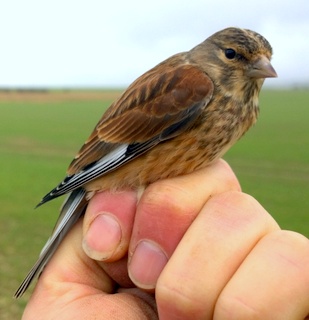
[72, 209]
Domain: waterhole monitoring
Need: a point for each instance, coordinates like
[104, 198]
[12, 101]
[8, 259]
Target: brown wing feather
[152, 103]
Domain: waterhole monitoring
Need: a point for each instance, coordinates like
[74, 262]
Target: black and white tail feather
[72, 210]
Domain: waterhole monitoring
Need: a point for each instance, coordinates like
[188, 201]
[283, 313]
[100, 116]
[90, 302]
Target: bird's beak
[262, 68]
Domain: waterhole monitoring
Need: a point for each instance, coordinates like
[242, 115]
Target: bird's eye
[230, 53]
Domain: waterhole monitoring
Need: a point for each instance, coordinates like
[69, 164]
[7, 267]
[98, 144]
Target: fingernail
[146, 264]
[102, 237]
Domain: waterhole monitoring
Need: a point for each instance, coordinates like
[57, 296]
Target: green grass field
[39, 137]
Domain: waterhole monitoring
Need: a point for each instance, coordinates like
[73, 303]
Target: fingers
[211, 251]
[108, 225]
[272, 281]
[164, 213]
[109, 217]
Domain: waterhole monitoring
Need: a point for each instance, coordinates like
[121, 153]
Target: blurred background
[63, 62]
[94, 43]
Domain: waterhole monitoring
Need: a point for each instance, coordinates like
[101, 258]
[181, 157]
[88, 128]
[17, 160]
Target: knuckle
[178, 299]
[167, 196]
[229, 176]
[232, 307]
[243, 211]
[293, 250]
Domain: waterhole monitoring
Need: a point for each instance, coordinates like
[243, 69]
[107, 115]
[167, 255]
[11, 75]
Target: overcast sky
[111, 42]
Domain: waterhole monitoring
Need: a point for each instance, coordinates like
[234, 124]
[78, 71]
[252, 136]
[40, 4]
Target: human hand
[208, 250]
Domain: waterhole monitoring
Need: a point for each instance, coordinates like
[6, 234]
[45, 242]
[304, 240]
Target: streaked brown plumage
[179, 116]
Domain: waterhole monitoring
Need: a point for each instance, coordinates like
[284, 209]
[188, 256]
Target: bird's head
[235, 58]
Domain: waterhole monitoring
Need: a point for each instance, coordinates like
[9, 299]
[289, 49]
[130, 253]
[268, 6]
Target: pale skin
[198, 248]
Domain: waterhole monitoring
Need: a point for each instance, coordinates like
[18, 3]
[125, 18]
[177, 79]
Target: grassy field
[40, 133]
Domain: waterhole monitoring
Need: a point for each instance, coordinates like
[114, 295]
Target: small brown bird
[176, 118]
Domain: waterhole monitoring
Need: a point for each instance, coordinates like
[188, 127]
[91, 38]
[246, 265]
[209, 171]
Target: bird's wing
[159, 105]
